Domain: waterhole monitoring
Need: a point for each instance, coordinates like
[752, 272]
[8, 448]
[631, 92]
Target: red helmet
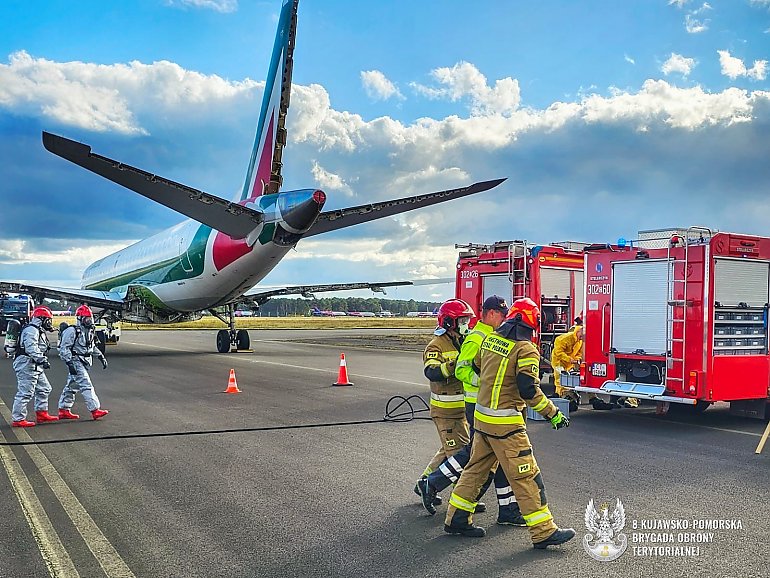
[450, 311]
[526, 312]
[84, 311]
[42, 311]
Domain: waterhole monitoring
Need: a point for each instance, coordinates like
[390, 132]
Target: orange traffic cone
[342, 378]
[232, 385]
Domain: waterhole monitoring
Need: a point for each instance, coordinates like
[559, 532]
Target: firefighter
[493, 313]
[447, 405]
[568, 352]
[509, 365]
[30, 363]
[76, 348]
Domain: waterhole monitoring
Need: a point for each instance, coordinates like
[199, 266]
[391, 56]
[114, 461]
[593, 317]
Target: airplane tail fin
[264, 174]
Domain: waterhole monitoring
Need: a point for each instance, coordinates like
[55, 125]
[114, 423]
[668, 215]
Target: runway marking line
[55, 556]
[113, 565]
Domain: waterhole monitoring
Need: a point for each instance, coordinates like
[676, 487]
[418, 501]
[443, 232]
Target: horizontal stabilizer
[229, 218]
[341, 218]
[99, 299]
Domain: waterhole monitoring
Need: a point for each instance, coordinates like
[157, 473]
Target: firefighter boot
[428, 495]
[43, 416]
[480, 507]
[437, 501]
[558, 537]
[461, 525]
[598, 403]
[66, 413]
[99, 413]
[23, 423]
[510, 516]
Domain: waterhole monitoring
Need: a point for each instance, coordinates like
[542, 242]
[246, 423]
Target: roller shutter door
[579, 291]
[639, 306]
[740, 282]
[555, 282]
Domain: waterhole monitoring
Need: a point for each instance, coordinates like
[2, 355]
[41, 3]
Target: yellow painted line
[55, 556]
[108, 558]
[318, 369]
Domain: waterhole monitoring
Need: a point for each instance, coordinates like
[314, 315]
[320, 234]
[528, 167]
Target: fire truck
[17, 307]
[679, 316]
[550, 275]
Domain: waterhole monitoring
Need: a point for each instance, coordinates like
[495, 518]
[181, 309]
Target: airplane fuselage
[190, 267]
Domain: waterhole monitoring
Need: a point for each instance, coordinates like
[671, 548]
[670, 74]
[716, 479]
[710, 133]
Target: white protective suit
[29, 366]
[76, 348]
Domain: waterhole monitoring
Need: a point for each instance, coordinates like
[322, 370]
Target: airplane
[316, 312]
[212, 260]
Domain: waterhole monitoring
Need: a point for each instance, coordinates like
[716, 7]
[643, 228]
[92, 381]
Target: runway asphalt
[337, 501]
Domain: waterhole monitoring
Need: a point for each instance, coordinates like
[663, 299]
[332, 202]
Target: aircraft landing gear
[231, 339]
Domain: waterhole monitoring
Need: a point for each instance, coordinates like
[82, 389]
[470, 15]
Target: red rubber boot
[23, 423]
[43, 416]
[99, 413]
[67, 414]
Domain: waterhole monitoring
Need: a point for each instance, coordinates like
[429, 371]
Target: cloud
[678, 63]
[329, 181]
[760, 3]
[628, 59]
[464, 80]
[695, 26]
[733, 67]
[378, 87]
[113, 97]
[223, 6]
[602, 164]
[677, 3]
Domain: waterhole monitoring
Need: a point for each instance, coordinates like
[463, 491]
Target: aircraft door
[184, 256]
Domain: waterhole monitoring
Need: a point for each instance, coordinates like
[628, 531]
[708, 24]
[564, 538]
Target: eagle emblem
[605, 542]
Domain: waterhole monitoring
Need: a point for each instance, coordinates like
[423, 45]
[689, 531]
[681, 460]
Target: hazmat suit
[30, 364]
[77, 348]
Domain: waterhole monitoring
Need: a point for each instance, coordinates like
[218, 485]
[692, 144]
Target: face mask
[87, 321]
[463, 325]
[47, 324]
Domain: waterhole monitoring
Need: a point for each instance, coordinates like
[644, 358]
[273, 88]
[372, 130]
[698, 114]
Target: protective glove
[45, 364]
[559, 420]
[72, 369]
[104, 363]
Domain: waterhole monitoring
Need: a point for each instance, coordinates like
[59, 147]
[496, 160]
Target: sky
[606, 117]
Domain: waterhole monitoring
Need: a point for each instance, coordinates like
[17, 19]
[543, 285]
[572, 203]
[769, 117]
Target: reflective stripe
[444, 370]
[528, 361]
[499, 382]
[447, 401]
[461, 503]
[538, 517]
[496, 412]
[464, 363]
[541, 404]
[498, 416]
[471, 395]
[506, 501]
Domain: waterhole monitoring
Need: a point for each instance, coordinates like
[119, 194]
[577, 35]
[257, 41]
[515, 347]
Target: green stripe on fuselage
[178, 268]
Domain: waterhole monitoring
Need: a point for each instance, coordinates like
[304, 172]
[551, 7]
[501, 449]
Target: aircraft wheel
[242, 339]
[223, 341]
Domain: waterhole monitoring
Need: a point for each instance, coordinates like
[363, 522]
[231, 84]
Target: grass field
[289, 323]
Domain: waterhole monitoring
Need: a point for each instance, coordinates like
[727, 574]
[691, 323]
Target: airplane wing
[229, 218]
[341, 218]
[100, 299]
[259, 296]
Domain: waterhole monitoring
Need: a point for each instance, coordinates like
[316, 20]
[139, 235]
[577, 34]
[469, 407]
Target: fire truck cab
[679, 316]
[550, 275]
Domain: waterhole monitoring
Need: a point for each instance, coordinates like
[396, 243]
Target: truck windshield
[11, 308]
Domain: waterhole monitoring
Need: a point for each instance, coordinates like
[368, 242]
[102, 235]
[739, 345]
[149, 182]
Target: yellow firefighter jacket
[566, 347]
[446, 396]
[499, 404]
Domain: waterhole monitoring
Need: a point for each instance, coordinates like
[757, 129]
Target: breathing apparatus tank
[12, 334]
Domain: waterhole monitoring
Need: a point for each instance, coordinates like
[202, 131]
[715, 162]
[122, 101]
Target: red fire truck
[679, 316]
[550, 275]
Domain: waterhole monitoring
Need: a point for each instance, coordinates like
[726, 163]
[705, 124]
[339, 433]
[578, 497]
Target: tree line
[284, 307]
